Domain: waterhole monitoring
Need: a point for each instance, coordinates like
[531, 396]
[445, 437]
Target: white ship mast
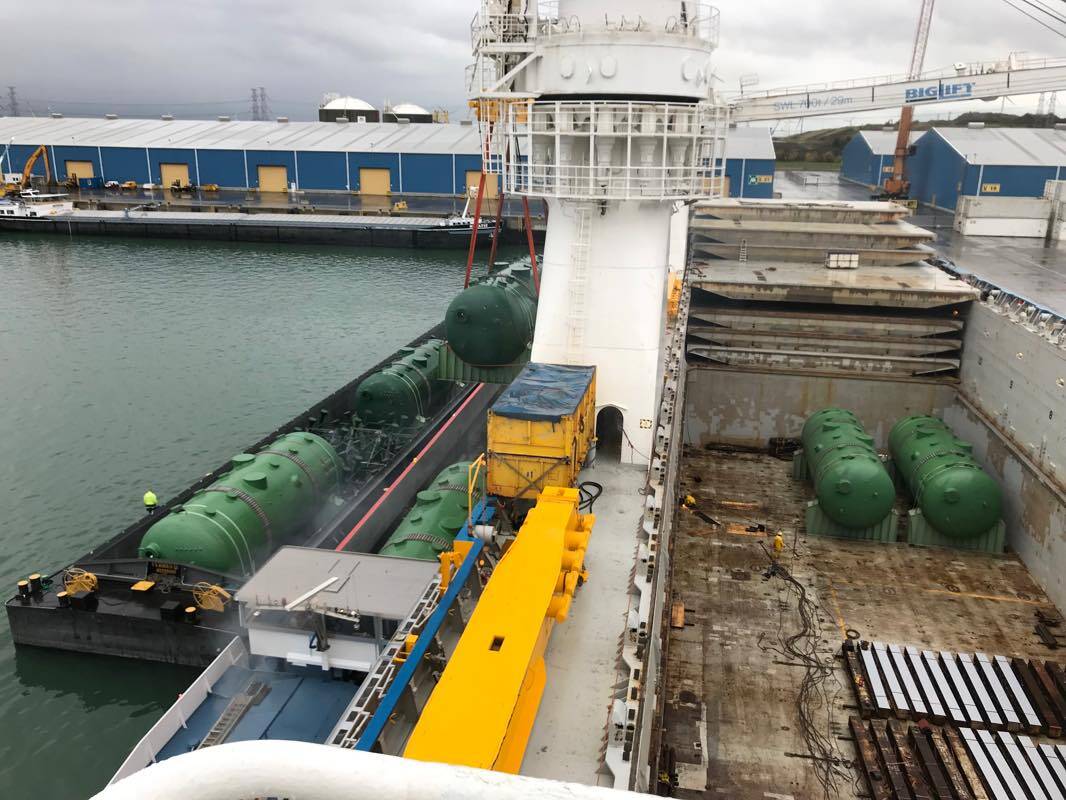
[604, 110]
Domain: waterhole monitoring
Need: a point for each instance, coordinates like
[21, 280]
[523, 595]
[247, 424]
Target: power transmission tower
[12, 102]
[1040, 104]
[255, 104]
[264, 109]
[1051, 106]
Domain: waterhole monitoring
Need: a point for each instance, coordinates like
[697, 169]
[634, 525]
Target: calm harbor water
[131, 364]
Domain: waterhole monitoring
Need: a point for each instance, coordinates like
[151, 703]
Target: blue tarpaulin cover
[544, 392]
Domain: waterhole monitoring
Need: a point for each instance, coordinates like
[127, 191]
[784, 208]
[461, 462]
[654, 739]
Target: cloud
[818, 41]
[201, 57]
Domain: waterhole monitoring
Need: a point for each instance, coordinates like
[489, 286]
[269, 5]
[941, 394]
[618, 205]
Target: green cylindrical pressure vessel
[403, 392]
[491, 323]
[250, 510]
[955, 494]
[851, 483]
[439, 513]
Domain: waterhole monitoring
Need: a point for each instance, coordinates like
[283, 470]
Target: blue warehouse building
[750, 162]
[370, 158]
[867, 158]
[1002, 162]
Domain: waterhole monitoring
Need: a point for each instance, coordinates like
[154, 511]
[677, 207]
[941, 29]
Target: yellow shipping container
[540, 429]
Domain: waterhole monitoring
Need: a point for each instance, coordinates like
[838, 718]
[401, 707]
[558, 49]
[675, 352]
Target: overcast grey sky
[196, 58]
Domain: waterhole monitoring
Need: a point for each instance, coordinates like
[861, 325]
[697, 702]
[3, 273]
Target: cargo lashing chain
[432, 539]
[827, 463]
[249, 501]
[938, 454]
[440, 542]
[298, 462]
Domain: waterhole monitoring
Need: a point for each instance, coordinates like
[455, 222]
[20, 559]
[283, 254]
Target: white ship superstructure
[604, 111]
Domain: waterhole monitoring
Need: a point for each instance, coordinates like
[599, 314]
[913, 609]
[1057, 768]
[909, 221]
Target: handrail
[702, 22]
[472, 474]
[369, 736]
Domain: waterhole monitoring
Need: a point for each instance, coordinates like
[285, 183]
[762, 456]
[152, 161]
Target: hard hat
[150, 499]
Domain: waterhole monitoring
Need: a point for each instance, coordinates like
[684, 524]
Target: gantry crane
[898, 186]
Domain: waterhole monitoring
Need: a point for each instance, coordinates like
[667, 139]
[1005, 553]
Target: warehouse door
[80, 170]
[273, 179]
[492, 185]
[376, 182]
[171, 174]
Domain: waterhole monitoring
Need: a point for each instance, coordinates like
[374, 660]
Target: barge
[115, 601]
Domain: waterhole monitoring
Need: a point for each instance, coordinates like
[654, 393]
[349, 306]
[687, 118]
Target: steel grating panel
[936, 710]
[968, 689]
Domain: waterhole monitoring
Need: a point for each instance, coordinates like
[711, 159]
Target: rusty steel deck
[731, 724]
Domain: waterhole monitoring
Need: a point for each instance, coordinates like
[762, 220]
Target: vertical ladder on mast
[579, 276]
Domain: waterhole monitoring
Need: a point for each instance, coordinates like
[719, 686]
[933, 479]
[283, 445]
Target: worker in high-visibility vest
[775, 555]
[779, 546]
[151, 502]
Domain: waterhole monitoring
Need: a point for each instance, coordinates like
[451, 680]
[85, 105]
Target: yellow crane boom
[27, 171]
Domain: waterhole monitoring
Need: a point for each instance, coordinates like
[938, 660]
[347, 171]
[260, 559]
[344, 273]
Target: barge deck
[273, 228]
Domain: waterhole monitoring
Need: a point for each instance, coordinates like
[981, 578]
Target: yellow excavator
[27, 171]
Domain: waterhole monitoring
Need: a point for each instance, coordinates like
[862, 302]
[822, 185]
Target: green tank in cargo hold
[852, 485]
[439, 513]
[403, 392]
[250, 510]
[491, 323]
[955, 494]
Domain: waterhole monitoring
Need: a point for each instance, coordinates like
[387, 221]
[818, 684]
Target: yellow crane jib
[482, 710]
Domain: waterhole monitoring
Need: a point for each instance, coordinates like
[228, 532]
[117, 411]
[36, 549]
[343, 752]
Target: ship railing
[482, 75]
[1041, 320]
[608, 150]
[177, 716]
[494, 27]
[637, 706]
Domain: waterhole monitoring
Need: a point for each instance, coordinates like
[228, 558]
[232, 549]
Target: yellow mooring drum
[540, 429]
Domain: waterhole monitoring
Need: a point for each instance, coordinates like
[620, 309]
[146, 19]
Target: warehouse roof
[883, 143]
[380, 137]
[749, 143]
[1008, 146]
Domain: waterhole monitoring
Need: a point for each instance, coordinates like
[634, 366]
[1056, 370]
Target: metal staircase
[237, 708]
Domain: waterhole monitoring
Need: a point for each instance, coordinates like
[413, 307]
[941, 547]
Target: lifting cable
[474, 228]
[1036, 19]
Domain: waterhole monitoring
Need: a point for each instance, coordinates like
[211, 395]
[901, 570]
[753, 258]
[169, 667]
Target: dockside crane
[898, 186]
